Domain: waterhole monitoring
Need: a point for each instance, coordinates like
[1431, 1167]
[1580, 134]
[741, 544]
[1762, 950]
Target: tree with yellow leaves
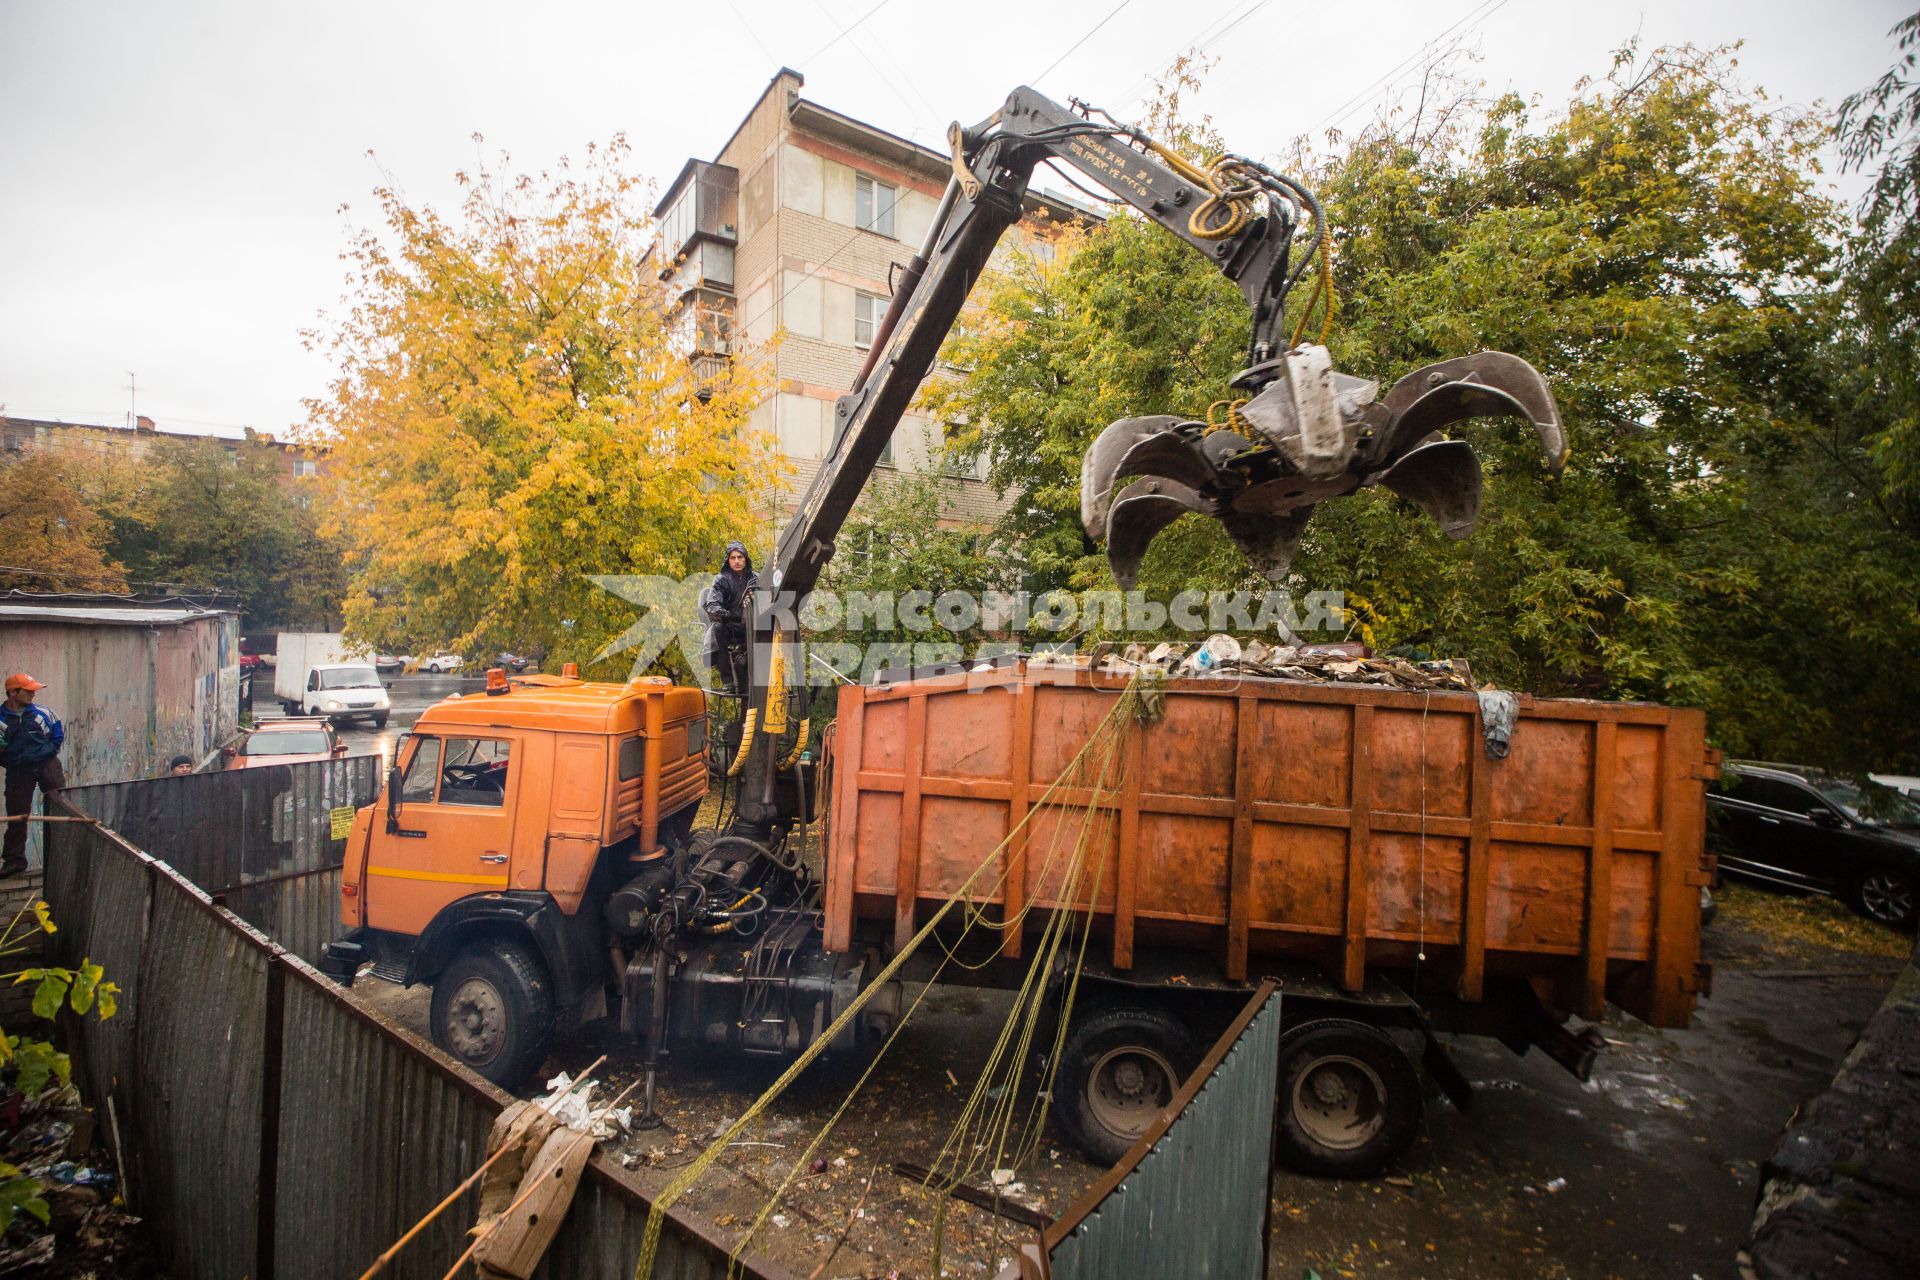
[510, 415]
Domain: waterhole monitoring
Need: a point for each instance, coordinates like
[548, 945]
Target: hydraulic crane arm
[1249, 237]
[1307, 433]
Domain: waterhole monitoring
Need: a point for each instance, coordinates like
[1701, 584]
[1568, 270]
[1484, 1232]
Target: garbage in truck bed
[1224, 655]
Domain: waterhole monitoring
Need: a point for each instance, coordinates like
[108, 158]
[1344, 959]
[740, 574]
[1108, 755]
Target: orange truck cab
[507, 819]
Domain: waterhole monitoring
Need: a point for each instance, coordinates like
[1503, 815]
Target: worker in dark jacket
[726, 647]
[30, 740]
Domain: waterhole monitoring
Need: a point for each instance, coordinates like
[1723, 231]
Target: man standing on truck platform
[726, 647]
[30, 741]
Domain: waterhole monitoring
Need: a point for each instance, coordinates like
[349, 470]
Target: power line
[844, 34]
[1472, 18]
[915, 112]
[753, 33]
[1082, 40]
[1200, 38]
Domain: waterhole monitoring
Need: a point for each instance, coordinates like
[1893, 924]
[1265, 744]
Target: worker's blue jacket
[29, 737]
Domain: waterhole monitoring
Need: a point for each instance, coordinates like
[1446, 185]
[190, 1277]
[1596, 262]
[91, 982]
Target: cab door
[451, 833]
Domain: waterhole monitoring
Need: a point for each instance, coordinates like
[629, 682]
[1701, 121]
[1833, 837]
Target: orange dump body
[522, 791]
[1348, 824]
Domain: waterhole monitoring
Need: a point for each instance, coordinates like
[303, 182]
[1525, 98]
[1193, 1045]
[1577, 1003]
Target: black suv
[1798, 828]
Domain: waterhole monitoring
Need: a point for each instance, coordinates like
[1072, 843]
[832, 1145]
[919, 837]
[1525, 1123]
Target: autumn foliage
[510, 415]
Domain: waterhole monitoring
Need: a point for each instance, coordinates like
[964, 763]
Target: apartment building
[795, 229]
[136, 443]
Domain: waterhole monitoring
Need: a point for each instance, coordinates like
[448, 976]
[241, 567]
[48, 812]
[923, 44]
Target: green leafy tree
[1656, 248]
[205, 512]
[1881, 125]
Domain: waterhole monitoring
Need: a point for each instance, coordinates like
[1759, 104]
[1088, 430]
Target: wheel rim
[1886, 897]
[1127, 1088]
[1340, 1102]
[475, 1024]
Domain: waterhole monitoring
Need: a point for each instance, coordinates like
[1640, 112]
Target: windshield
[348, 678]
[301, 743]
[1871, 803]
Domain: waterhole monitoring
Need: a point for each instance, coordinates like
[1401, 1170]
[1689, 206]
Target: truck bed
[1351, 825]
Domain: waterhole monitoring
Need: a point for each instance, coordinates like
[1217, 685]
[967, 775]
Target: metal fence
[260, 841]
[1190, 1198]
[270, 1126]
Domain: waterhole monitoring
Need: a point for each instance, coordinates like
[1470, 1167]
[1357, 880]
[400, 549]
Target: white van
[341, 691]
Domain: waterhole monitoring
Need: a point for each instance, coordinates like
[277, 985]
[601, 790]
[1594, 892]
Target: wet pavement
[1651, 1169]
[409, 695]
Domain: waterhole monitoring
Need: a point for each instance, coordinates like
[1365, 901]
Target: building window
[867, 310]
[676, 225]
[305, 467]
[873, 203]
[956, 459]
[886, 455]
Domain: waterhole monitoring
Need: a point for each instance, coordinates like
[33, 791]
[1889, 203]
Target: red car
[292, 741]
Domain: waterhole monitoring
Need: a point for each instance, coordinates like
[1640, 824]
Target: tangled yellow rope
[1120, 720]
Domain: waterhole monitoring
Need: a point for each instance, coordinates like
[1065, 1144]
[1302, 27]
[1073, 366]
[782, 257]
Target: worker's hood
[732, 547]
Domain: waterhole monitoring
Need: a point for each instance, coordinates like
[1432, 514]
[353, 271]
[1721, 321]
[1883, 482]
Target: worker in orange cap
[30, 740]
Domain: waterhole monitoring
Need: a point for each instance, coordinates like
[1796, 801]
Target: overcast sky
[171, 173]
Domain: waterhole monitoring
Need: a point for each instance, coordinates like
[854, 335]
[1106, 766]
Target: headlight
[330, 705]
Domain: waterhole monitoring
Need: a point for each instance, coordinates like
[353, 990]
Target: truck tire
[379, 719]
[1350, 1101]
[1118, 1069]
[493, 1011]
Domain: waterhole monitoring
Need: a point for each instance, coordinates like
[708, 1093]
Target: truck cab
[507, 818]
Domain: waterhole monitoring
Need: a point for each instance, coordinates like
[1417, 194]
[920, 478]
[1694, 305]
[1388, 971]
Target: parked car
[388, 664]
[1905, 784]
[1785, 826]
[291, 741]
[513, 662]
[443, 663]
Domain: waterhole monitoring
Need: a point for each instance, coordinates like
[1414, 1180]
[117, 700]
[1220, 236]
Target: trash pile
[1223, 655]
[60, 1192]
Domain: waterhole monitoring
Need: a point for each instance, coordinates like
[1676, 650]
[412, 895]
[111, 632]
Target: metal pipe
[656, 1032]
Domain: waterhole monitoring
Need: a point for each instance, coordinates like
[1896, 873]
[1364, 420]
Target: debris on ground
[60, 1188]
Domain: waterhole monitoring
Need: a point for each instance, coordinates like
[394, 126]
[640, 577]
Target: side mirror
[1825, 817]
[393, 798]
[228, 753]
[339, 748]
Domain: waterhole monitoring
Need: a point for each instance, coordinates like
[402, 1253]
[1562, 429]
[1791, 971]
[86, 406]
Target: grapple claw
[1443, 480]
[1100, 466]
[1311, 434]
[1142, 510]
[1489, 384]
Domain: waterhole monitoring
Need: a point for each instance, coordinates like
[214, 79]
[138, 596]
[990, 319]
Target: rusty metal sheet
[259, 839]
[201, 1042]
[373, 1134]
[1195, 1203]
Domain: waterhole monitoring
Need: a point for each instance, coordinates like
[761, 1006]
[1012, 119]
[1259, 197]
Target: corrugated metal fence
[1190, 1199]
[262, 841]
[271, 1127]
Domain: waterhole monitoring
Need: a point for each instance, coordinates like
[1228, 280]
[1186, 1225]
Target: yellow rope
[656, 1217]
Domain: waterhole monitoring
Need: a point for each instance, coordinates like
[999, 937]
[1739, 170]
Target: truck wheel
[380, 720]
[1350, 1100]
[1118, 1069]
[493, 1011]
